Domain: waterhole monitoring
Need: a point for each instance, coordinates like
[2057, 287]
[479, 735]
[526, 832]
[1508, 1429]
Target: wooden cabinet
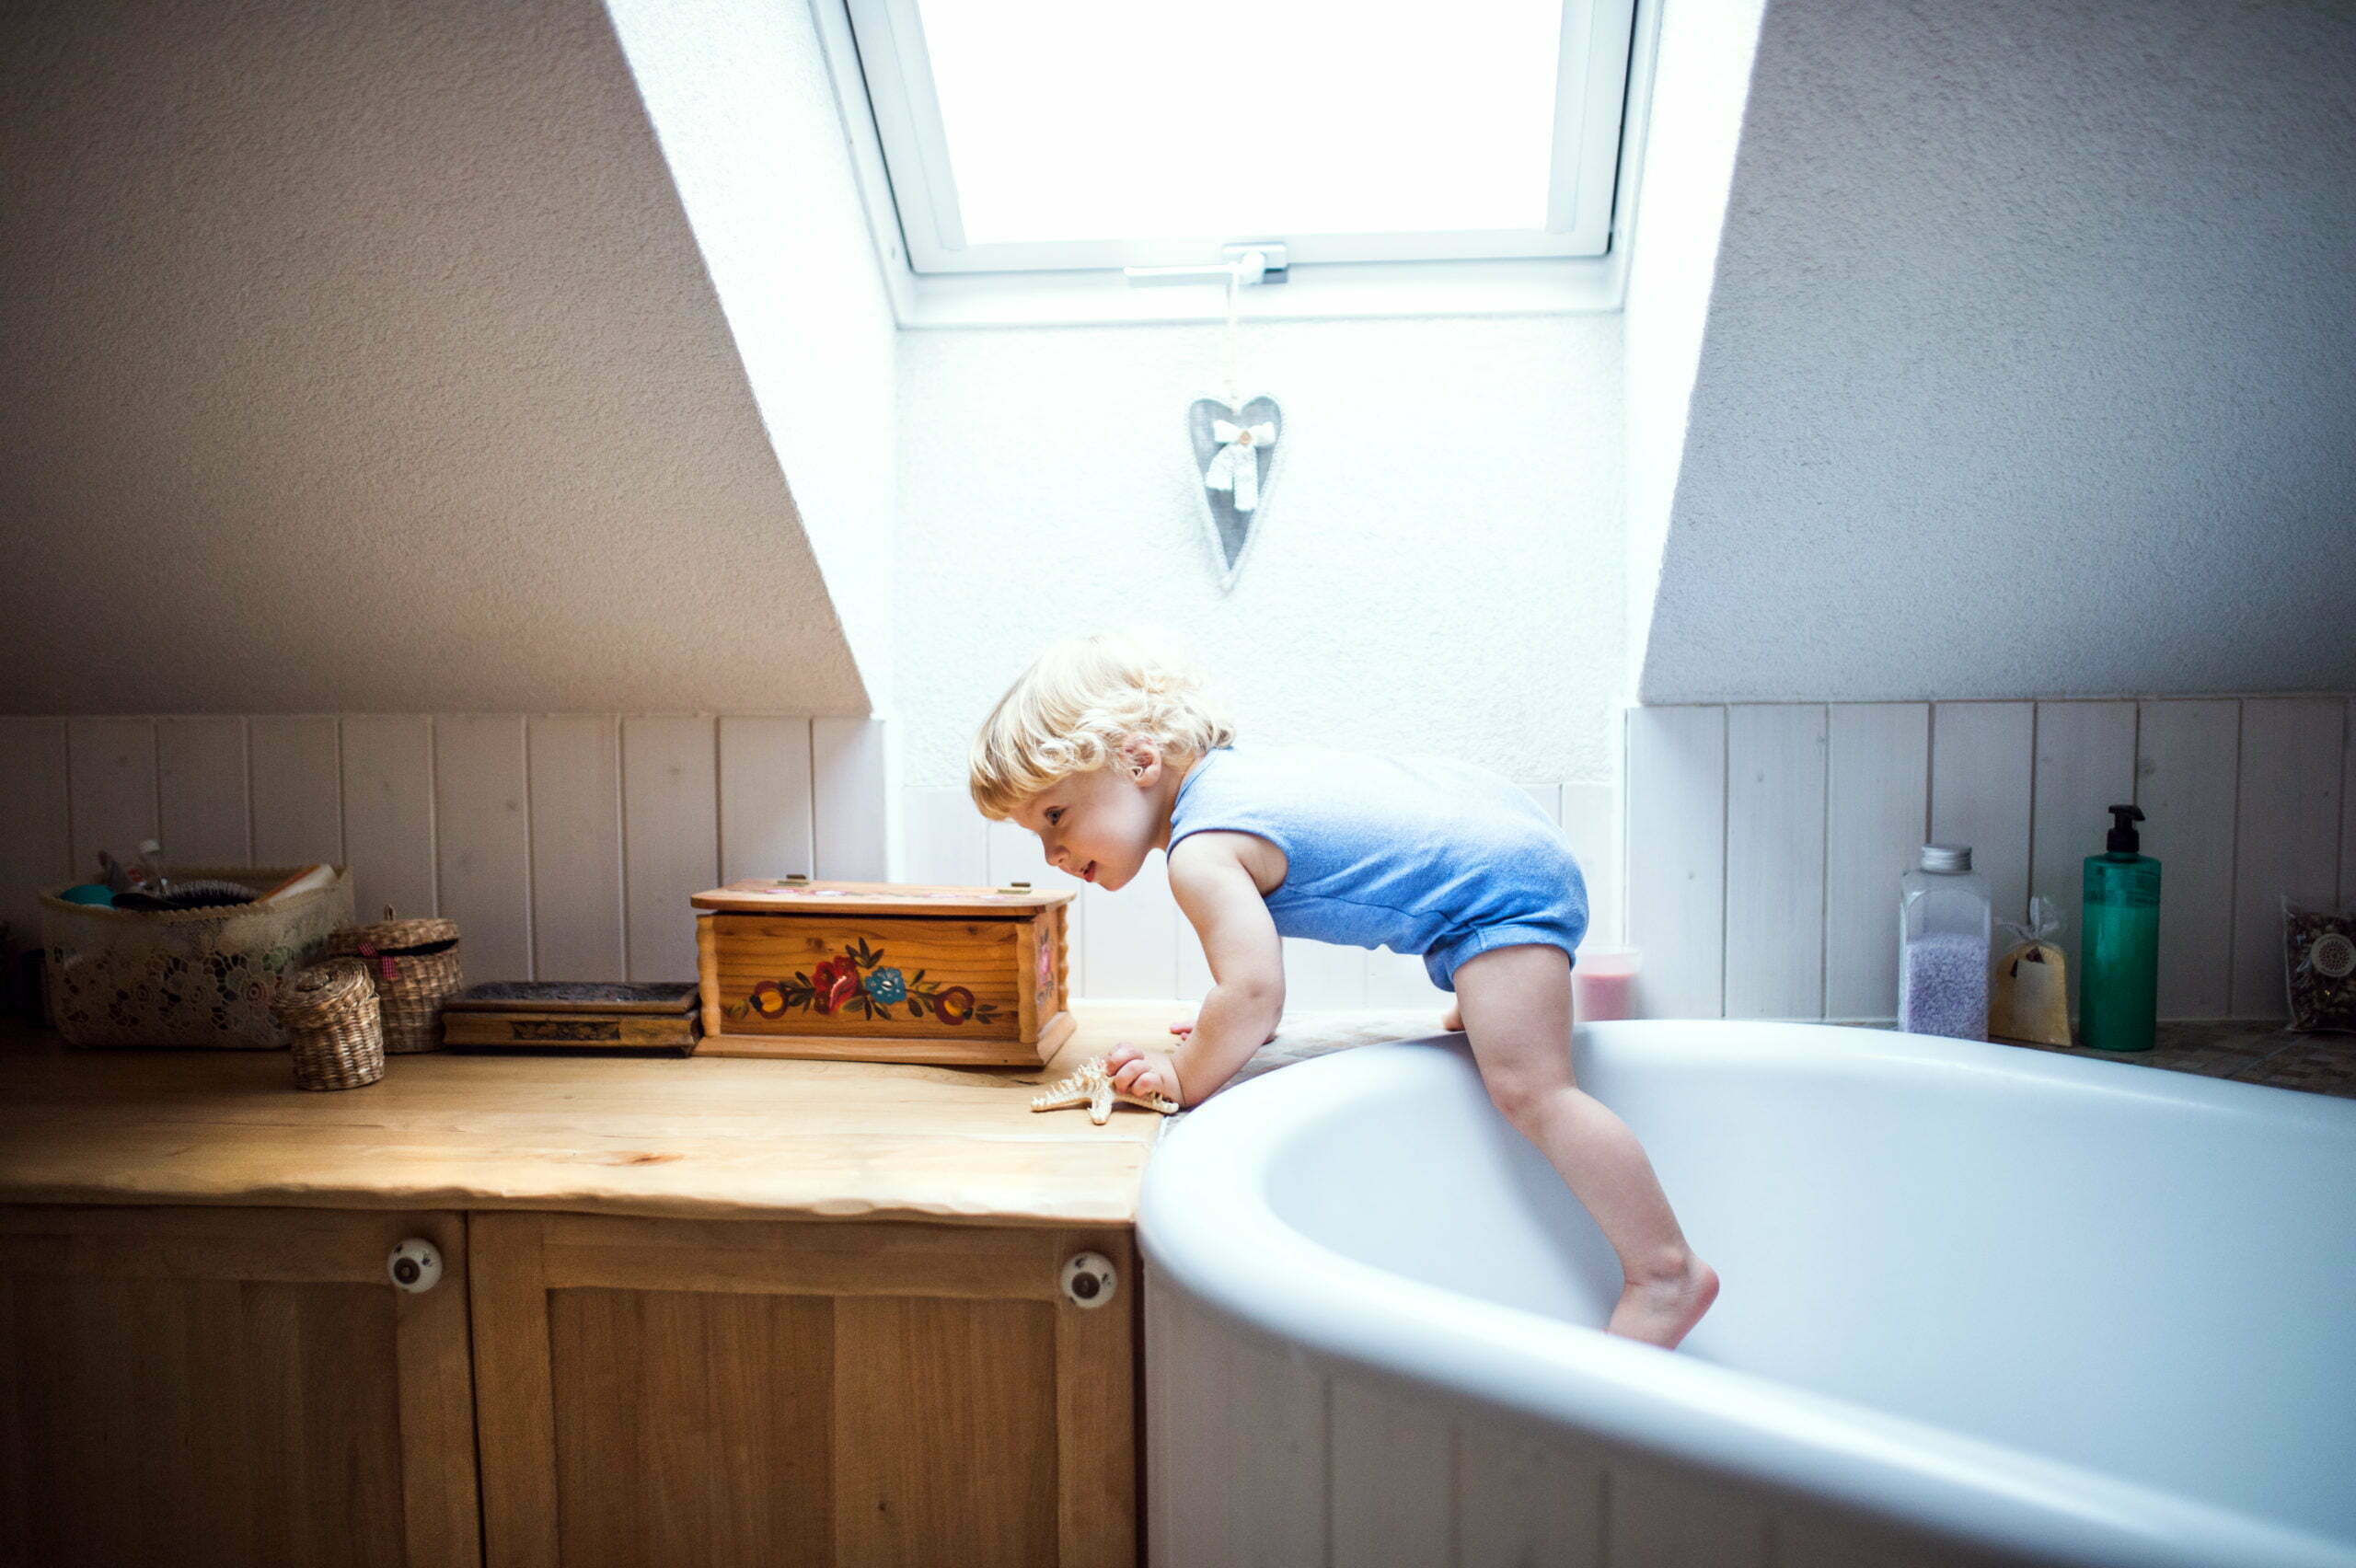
[245, 1385]
[658, 1392]
[232, 1385]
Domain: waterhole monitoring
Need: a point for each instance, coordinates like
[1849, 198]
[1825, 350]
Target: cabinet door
[657, 1391]
[232, 1385]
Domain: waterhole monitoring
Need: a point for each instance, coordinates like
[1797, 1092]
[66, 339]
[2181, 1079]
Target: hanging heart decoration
[1235, 457]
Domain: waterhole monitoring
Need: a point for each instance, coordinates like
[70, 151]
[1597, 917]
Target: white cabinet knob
[415, 1265]
[1088, 1279]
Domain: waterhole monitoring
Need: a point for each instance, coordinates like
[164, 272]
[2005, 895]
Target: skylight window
[1022, 135]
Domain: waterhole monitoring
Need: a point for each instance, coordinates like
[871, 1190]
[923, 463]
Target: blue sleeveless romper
[1418, 854]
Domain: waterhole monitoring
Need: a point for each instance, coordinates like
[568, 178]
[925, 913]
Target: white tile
[36, 845]
[1877, 796]
[851, 798]
[947, 839]
[1133, 935]
[577, 913]
[2085, 763]
[1527, 1502]
[201, 790]
[1774, 962]
[1399, 979]
[1393, 1479]
[1236, 1445]
[1322, 974]
[2287, 834]
[1981, 765]
[1592, 821]
[1820, 1536]
[2185, 768]
[1665, 1515]
[112, 774]
[1677, 859]
[671, 838]
[766, 814]
[482, 842]
[389, 814]
[295, 773]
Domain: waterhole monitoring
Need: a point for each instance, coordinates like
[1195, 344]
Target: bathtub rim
[1213, 1243]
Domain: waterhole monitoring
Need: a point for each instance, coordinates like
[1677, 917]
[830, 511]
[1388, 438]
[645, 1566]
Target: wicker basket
[330, 1014]
[415, 966]
[185, 976]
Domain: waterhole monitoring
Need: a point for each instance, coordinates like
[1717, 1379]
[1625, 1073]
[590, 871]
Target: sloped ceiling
[2027, 370]
[361, 358]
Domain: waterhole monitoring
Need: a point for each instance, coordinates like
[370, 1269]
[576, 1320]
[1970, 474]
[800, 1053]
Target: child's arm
[1215, 890]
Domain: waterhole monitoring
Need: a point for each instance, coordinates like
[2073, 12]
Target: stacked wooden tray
[567, 1016]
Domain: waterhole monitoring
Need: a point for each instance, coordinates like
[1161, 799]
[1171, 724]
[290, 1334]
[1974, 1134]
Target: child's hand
[1137, 1070]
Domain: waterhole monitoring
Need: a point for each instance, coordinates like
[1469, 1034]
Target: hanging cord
[1234, 387]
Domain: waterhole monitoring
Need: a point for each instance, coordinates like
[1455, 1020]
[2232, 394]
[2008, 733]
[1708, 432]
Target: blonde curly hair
[1070, 712]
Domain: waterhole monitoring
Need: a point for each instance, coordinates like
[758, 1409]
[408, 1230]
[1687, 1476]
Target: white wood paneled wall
[1258, 1455]
[1765, 840]
[1135, 944]
[565, 846]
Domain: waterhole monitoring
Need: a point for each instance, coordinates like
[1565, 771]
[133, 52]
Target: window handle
[1246, 264]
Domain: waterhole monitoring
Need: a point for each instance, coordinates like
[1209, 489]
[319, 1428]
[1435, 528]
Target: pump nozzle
[2122, 840]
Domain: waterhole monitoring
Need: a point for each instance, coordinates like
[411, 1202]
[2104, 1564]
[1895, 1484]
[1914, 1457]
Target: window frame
[1599, 207]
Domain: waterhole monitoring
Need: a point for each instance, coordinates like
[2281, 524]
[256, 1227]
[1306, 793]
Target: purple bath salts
[1943, 986]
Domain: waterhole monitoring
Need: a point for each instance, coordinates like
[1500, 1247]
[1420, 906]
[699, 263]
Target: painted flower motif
[887, 986]
[768, 1000]
[954, 1003]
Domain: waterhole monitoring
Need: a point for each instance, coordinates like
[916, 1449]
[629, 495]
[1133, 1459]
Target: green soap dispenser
[2118, 982]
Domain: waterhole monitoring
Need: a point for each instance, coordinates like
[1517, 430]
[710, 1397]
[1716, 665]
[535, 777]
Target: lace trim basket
[185, 976]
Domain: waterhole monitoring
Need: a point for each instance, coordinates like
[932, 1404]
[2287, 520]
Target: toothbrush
[151, 857]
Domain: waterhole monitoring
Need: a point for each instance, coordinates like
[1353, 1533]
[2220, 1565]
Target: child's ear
[1141, 758]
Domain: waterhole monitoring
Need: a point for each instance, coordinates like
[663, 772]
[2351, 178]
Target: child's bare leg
[1516, 1003]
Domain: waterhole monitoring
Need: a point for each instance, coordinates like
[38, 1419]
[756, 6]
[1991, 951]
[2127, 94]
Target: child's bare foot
[1453, 1021]
[1662, 1312]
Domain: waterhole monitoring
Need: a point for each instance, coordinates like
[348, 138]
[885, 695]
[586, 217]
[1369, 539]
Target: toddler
[1108, 750]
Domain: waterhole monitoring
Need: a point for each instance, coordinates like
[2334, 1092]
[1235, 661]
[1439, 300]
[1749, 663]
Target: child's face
[1100, 827]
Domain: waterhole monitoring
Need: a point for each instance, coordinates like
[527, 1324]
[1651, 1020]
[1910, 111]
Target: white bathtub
[1979, 1305]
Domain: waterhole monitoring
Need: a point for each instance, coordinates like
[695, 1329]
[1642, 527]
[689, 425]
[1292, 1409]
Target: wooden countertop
[700, 1136]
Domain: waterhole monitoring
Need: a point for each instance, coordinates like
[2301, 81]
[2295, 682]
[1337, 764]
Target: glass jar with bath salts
[1943, 924]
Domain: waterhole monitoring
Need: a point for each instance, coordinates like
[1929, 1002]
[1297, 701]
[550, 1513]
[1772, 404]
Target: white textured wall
[1701, 79]
[1441, 569]
[740, 99]
[360, 357]
[2027, 367]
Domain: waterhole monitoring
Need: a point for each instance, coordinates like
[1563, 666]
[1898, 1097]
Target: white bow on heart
[1236, 465]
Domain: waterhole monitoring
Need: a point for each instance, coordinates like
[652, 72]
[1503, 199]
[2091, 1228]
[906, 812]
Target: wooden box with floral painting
[880, 972]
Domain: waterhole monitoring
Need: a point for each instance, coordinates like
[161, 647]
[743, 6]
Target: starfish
[1090, 1085]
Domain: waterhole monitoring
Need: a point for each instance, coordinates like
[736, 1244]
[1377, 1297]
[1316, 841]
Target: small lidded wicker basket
[414, 964]
[328, 1012]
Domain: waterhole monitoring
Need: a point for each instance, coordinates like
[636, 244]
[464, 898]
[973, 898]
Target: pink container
[1603, 984]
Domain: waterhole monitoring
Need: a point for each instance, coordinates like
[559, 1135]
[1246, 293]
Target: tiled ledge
[2251, 1050]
